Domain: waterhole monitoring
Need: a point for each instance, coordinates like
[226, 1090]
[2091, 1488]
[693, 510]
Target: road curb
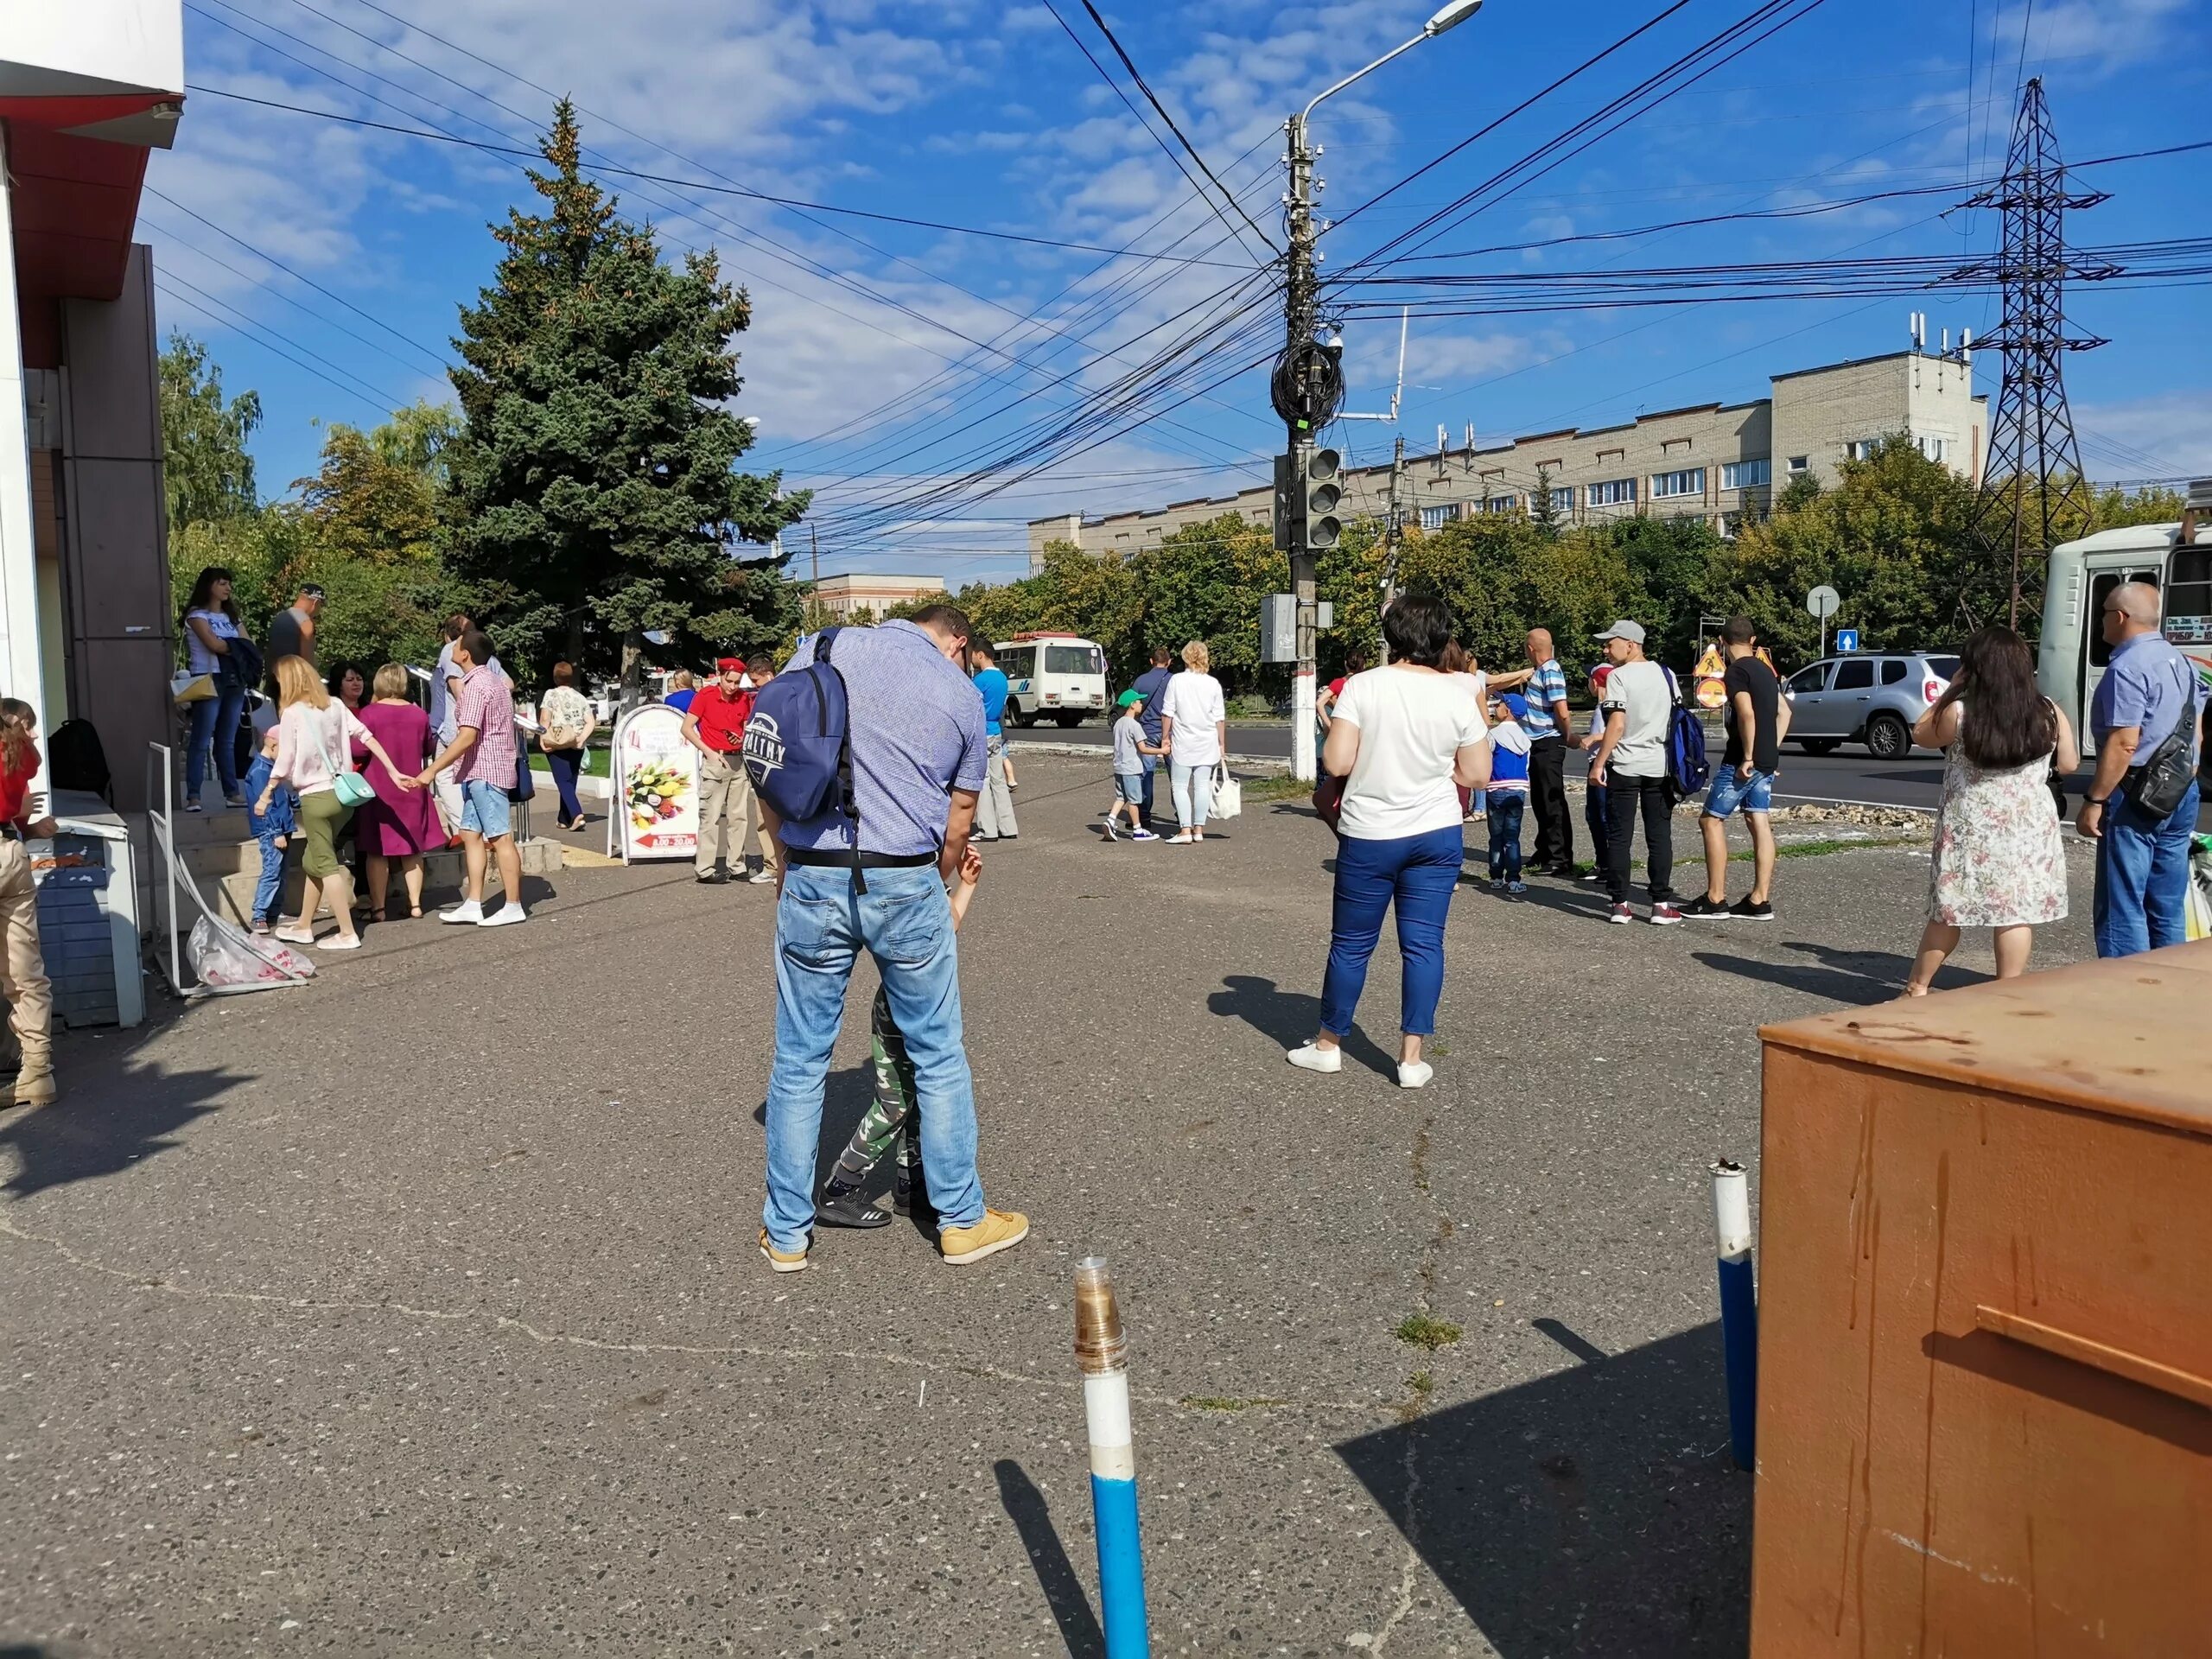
[1100, 751]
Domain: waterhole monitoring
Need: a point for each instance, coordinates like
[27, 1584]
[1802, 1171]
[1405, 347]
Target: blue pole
[1102, 1353]
[1739, 1307]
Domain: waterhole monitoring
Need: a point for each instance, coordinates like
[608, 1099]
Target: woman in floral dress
[1999, 861]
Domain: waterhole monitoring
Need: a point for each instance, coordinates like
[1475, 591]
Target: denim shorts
[1131, 786]
[1731, 791]
[485, 811]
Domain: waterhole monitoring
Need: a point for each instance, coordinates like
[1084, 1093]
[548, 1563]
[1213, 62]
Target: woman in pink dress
[399, 823]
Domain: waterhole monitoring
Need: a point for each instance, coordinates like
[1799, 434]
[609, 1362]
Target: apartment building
[1718, 462]
[838, 599]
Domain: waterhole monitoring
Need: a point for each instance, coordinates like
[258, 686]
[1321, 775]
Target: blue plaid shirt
[1546, 687]
[917, 726]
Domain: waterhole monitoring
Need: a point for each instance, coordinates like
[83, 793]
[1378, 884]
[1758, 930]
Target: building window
[1434, 517]
[1800, 463]
[1862, 449]
[1501, 503]
[1668, 485]
[1563, 498]
[1613, 493]
[1742, 475]
[1936, 450]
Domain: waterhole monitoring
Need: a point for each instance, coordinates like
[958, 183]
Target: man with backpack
[868, 752]
[1634, 764]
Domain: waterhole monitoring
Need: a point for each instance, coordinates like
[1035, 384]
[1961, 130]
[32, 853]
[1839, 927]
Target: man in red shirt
[715, 725]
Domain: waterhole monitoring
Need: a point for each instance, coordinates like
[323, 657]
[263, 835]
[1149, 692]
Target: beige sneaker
[999, 1230]
[782, 1260]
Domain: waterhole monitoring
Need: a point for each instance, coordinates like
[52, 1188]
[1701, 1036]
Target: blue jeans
[1504, 810]
[1151, 773]
[214, 724]
[1419, 873]
[2142, 889]
[269, 887]
[904, 921]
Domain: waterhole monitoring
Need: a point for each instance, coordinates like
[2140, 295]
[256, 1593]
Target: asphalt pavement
[418, 1312]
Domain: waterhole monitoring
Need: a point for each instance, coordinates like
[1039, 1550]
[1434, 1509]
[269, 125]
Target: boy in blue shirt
[273, 829]
[1507, 797]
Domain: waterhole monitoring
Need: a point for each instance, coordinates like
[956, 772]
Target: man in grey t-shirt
[1630, 764]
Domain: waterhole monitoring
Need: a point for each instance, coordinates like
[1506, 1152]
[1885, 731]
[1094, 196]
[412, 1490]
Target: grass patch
[1227, 1403]
[1423, 1331]
[1821, 848]
[1277, 786]
[1421, 1383]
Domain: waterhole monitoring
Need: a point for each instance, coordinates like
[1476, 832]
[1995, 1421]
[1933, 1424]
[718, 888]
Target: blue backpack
[1687, 767]
[798, 747]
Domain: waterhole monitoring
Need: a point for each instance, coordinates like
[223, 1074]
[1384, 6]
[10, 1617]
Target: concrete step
[231, 894]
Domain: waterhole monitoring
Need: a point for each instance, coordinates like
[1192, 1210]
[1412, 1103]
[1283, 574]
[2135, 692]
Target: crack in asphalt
[696, 1351]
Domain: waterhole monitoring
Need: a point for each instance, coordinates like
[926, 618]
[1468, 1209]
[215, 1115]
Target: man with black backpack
[1632, 764]
[868, 752]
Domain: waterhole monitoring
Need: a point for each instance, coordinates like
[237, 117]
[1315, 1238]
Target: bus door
[2096, 652]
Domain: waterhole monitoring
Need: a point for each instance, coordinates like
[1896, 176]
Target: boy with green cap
[1131, 747]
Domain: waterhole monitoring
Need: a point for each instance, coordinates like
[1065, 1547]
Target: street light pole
[1307, 381]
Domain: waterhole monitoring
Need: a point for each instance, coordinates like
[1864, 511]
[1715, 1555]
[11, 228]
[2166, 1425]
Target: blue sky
[324, 261]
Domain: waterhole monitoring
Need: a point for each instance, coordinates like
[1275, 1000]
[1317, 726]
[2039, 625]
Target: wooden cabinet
[1985, 1420]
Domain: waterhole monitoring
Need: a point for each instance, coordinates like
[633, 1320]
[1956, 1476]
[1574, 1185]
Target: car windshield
[1943, 668]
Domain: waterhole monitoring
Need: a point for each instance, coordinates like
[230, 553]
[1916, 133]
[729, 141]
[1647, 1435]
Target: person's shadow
[1289, 1018]
[845, 1098]
[142, 1109]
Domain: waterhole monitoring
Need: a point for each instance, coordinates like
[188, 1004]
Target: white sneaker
[467, 911]
[506, 916]
[1308, 1057]
[1414, 1074]
[1107, 824]
[339, 941]
[762, 878]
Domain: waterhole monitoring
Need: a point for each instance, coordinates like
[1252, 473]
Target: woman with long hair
[1999, 861]
[314, 745]
[1406, 739]
[23, 962]
[399, 825]
[209, 623]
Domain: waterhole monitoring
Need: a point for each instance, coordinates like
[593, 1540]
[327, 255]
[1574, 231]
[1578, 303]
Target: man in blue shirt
[1149, 685]
[994, 812]
[2148, 691]
[919, 761]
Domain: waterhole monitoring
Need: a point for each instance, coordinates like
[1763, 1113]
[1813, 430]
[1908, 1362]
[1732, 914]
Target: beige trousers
[728, 813]
[22, 966]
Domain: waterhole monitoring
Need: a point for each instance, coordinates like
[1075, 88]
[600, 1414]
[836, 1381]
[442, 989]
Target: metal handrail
[163, 822]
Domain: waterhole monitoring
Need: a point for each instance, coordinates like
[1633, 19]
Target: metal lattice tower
[2033, 483]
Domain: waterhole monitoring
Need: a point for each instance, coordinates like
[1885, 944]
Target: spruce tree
[594, 492]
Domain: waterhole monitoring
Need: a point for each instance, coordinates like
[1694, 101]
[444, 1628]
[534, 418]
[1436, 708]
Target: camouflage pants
[891, 1115]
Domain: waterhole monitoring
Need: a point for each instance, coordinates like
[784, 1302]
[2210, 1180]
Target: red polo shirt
[721, 720]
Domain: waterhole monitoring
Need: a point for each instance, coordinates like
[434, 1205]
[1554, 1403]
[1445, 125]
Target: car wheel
[1820, 744]
[1887, 738]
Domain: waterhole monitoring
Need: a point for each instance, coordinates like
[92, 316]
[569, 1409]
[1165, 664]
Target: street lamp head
[1451, 15]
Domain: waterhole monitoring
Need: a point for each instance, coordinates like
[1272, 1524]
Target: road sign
[1846, 639]
[1823, 601]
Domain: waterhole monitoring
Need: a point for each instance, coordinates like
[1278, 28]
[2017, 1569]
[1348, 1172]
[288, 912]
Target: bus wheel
[1887, 738]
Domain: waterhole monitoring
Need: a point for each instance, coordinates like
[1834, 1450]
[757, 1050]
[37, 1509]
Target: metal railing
[160, 817]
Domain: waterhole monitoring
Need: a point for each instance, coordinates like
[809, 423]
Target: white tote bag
[1228, 796]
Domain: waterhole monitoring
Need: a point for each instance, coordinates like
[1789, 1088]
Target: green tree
[377, 494]
[593, 490]
[208, 472]
[1206, 581]
[1543, 513]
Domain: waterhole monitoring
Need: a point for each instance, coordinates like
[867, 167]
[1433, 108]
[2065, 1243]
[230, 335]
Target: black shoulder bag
[2155, 787]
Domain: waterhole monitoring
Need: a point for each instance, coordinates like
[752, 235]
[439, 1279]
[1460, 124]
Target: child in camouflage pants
[890, 1115]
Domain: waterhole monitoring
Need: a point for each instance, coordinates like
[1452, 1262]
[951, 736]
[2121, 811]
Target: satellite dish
[656, 636]
[1822, 602]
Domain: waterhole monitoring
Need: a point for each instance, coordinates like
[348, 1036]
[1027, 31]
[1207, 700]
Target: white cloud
[2167, 435]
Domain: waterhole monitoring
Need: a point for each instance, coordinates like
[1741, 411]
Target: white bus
[1057, 675]
[2176, 559]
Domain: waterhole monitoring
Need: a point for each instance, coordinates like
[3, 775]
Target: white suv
[1871, 697]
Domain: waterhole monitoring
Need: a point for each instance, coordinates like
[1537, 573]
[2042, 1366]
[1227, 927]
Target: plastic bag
[2198, 908]
[1228, 797]
[225, 958]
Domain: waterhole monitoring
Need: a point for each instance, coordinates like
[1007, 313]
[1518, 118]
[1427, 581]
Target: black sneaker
[1748, 909]
[909, 1196]
[714, 879]
[1702, 908]
[848, 1208]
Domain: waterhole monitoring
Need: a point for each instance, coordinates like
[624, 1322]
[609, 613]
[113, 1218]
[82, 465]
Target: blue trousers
[214, 724]
[904, 921]
[1596, 817]
[2142, 890]
[1504, 810]
[565, 764]
[1416, 873]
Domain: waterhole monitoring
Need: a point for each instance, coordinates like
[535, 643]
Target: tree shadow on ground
[1289, 1018]
[1861, 978]
[1593, 1512]
[111, 1115]
[1048, 1557]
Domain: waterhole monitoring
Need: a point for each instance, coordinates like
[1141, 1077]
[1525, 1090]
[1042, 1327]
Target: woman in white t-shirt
[1194, 728]
[1405, 738]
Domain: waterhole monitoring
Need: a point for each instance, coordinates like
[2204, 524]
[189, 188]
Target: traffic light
[1321, 488]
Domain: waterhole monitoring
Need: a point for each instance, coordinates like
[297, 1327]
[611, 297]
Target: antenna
[1965, 348]
[1471, 437]
[1398, 395]
[1443, 439]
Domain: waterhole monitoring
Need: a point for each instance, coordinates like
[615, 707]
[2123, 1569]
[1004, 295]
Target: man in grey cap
[1630, 764]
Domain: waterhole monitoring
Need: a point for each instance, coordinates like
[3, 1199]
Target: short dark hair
[982, 648]
[946, 619]
[456, 624]
[1417, 627]
[1739, 630]
[311, 590]
[1161, 656]
[762, 668]
[477, 644]
[563, 673]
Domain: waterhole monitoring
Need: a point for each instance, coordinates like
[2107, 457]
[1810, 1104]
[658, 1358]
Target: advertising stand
[654, 813]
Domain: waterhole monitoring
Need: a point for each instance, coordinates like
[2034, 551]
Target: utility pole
[814, 585]
[1303, 371]
[1393, 539]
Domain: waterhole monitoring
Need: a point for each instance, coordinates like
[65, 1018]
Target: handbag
[193, 688]
[1228, 796]
[348, 786]
[2155, 787]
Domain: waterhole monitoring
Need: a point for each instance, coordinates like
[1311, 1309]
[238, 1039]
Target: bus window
[1074, 659]
[2099, 591]
[1018, 662]
[2189, 589]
